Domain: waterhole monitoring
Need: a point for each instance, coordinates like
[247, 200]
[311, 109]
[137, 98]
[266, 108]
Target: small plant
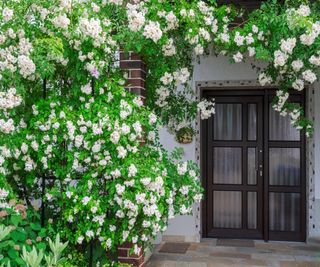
[185, 135]
[57, 247]
[34, 258]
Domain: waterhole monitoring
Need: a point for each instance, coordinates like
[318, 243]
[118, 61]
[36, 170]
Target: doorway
[253, 168]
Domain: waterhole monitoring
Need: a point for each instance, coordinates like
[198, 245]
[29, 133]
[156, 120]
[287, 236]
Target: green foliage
[19, 230]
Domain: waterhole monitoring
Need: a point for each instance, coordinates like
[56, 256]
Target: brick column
[124, 256]
[136, 68]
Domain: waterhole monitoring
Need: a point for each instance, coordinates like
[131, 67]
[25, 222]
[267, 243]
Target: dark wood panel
[262, 188]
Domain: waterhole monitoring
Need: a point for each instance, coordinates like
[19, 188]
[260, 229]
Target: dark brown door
[252, 164]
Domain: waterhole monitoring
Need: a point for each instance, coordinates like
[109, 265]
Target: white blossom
[304, 11]
[152, 31]
[298, 84]
[315, 60]
[7, 14]
[238, 57]
[62, 21]
[309, 76]
[297, 65]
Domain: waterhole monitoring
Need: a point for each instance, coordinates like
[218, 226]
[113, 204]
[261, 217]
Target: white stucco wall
[213, 68]
[317, 141]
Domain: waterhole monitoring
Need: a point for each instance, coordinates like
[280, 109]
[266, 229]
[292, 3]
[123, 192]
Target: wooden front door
[253, 164]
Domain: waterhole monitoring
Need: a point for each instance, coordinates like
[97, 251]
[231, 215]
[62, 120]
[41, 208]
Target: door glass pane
[284, 166]
[227, 209]
[227, 165]
[284, 210]
[280, 127]
[252, 161]
[252, 210]
[252, 122]
[228, 122]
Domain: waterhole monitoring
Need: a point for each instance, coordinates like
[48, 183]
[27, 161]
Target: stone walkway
[240, 253]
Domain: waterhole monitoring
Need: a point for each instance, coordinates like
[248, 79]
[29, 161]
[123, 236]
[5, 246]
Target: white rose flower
[280, 58]
[80, 239]
[298, 85]
[252, 51]
[288, 45]
[7, 14]
[238, 57]
[169, 49]
[136, 19]
[62, 21]
[315, 60]
[120, 189]
[152, 31]
[307, 39]
[115, 137]
[304, 11]
[297, 65]
[309, 76]
[182, 168]
[89, 233]
[264, 79]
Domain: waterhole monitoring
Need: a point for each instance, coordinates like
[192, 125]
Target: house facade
[261, 176]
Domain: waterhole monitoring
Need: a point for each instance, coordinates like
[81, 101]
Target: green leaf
[18, 236]
[35, 226]
[16, 219]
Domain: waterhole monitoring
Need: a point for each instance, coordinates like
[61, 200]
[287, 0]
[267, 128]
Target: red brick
[136, 82]
[137, 74]
[123, 252]
[135, 56]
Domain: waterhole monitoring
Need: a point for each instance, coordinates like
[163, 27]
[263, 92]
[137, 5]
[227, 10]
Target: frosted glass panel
[280, 127]
[228, 122]
[252, 210]
[227, 209]
[284, 210]
[252, 122]
[252, 161]
[227, 165]
[284, 166]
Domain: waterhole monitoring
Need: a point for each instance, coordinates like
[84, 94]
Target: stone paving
[210, 253]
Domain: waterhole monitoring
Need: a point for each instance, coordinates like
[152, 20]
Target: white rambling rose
[62, 21]
[307, 39]
[309, 76]
[288, 45]
[7, 14]
[280, 58]
[182, 168]
[298, 85]
[304, 11]
[152, 31]
[315, 60]
[297, 65]
[238, 57]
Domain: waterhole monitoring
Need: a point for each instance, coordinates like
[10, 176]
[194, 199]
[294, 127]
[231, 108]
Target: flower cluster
[108, 182]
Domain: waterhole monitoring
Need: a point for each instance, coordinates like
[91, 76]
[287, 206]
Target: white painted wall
[213, 68]
[317, 141]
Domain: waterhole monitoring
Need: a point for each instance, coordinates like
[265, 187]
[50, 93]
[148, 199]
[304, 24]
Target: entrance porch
[240, 253]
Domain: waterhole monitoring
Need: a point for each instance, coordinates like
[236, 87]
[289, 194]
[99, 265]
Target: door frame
[266, 93]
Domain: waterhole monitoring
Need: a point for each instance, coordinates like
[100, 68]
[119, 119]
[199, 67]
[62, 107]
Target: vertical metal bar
[44, 88]
[43, 189]
[42, 201]
[91, 254]
[266, 168]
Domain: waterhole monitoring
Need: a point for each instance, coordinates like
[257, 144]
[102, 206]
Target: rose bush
[67, 121]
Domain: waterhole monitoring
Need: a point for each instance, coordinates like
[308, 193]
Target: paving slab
[236, 253]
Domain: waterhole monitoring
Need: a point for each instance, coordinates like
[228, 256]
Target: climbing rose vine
[66, 116]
